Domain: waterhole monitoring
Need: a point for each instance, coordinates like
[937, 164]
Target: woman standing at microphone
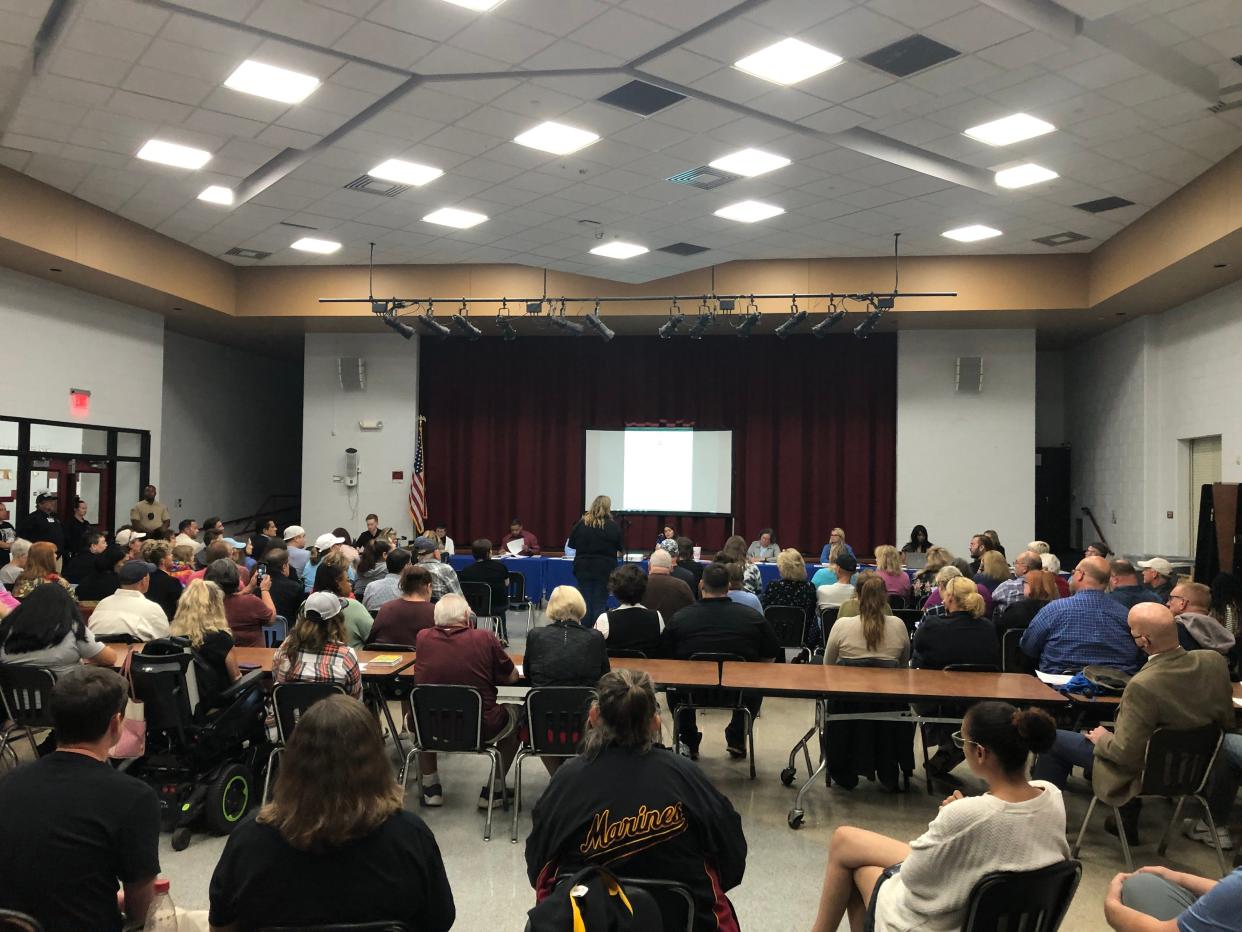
[596, 540]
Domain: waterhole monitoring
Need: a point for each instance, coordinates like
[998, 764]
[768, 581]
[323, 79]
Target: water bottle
[162, 917]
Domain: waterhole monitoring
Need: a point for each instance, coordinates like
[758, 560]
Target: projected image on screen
[659, 469]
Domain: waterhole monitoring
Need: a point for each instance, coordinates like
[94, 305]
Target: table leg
[378, 695]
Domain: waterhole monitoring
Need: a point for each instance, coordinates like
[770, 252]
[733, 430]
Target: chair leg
[271, 767]
[517, 792]
[750, 740]
[1082, 829]
[34, 745]
[931, 791]
[1220, 854]
[1168, 831]
[1125, 842]
[493, 757]
[403, 778]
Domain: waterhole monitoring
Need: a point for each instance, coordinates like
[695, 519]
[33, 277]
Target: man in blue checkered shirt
[1089, 627]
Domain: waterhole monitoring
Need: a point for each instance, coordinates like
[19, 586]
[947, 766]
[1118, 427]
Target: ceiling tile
[301, 20]
[622, 33]
[502, 40]
[975, 29]
[167, 85]
[383, 44]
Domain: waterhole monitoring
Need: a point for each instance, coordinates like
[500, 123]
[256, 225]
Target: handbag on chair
[133, 743]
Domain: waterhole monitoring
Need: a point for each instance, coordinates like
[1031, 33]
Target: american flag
[418, 484]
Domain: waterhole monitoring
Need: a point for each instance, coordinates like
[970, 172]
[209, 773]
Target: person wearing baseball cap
[316, 650]
[324, 545]
[131, 542]
[128, 610]
[295, 542]
[43, 523]
[1158, 576]
[443, 578]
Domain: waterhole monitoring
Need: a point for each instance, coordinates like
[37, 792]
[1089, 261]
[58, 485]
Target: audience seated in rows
[453, 652]
[717, 624]
[385, 588]
[247, 612]
[40, 570]
[1018, 825]
[335, 844]
[400, 619]
[924, 582]
[1158, 899]
[888, 568]
[872, 634]
[201, 620]
[316, 649]
[933, 604]
[46, 631]
[792, 588]
[286, 589]
[1158, 576]
[687, 562]
[1013, 590]
[631, 625]
[128, 611]
[79, 566]
[734, 551]
[629, 804]
[372, 565]
[71, 818]
[164, 589]
[1124, 585]
[1174, 689]
[1191, 604]
[1087, 628]
[1038, 589]
[993, 570]
[443, 580]
[332, 576]
[832, 595]
[737, 591]
[665, 593]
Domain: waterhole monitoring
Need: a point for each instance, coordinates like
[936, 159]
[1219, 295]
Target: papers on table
[515, 546]
[1054, 679]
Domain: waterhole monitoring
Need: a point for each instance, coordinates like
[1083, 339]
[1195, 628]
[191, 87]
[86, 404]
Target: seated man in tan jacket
[1174, 689]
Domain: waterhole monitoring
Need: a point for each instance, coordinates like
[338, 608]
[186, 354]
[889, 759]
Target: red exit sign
[79, 402]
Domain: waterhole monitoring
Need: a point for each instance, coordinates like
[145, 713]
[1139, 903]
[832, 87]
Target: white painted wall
[57, 338]
[1134, 395]
[966, 462]
[232, 430]
[330, 424]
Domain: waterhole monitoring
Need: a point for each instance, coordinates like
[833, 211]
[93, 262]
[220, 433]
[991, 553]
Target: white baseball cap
[325, 604]
[324, 541]
[127, 536]
[294, 530]
[1159, 564]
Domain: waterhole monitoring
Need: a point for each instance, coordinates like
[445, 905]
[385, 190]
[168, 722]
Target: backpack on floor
[593, 900]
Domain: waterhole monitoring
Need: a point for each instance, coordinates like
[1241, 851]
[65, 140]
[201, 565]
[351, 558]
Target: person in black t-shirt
[632, 805]
[42, 523]
[77, 528]
[82, 563]
[370, 534]
[717, 625]
[102, 580]
[72, 826]
[287, 592]
[596, 542]
[163, 590]
[687, 562]
[335, 844]
[493, 572]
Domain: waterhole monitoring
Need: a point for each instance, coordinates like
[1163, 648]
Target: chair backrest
[390, 646]
[621, 653]
[789, 623]
[13, 921]
[517, 586]
[448, 718]
[27, 692]
[166, 684]
[828, 618]
[1022, 901]
[291, 700]
[895, 600]
[117, 639]
[479, 596]
[276, 632]
[1178, 761]
[557, 718]
[676, 902]
[1013, 660]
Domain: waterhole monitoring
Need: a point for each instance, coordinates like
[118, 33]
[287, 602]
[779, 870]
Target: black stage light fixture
[863, 330]
[468, 330]
[432, 326]
[508, 332]
[601, 329]
[835, 316]
[747, 324]
[399, 326]
[561, 322]
[796, 317]
[701, 323]
[675, 319]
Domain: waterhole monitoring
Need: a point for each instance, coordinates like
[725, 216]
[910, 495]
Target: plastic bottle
[162, 917]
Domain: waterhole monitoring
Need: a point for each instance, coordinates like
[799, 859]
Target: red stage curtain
[814, 431]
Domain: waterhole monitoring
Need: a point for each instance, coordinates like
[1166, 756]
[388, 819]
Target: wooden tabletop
[885, 683]
[663, 672]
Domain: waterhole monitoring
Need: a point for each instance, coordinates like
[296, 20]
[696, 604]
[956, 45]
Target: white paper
[518, 667]
[1237, 702]
[1054, 679]
[516, 546]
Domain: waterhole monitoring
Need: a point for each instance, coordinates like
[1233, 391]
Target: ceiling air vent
[369, 185]
[641, 98]
[1061, 239]
[682, 249]
[704, 177]
[247, 253]
[297, 226]
[909, 56]
[1103, 204]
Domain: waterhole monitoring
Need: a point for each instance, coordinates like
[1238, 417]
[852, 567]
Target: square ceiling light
[972, 233]
[1007, 130]
[217, 194]
[556, 138]
[456, 218]
[749, 211]
[479, 6]
[279, 84]
[1020, 176]
[749, 162]
[619, 250]
[405, 172]
[788, 62]
[169, 153]
[321, 246]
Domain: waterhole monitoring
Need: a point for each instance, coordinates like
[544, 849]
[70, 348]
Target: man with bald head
[665, 593]
[1013, 590]
[1191, 605]
[1087, 628]
[1175, 689]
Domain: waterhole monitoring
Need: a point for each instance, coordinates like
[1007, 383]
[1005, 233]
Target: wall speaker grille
[352, 373]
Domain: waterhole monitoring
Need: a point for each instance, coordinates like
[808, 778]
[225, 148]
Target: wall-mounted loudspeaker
[352, 372]
[969, 374]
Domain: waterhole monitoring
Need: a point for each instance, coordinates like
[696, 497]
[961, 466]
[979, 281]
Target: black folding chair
[449, 720]
[1177, 764]
[960, 668]
[827, 618]
[1029, 901]
[518, 600]
[675, 901]
[479, 596]
[897, 601]
[556, 717]
[118, 639]
[1013, 660]
[730, 700]
[789, 623]
[290, 702]
[27, 695]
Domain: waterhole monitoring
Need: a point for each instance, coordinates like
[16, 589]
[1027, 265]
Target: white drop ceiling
[121, 72]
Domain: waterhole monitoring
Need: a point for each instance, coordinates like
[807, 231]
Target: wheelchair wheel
[229, 798]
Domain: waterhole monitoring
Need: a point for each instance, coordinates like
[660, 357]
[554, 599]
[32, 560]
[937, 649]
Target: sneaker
[686, 749]
[737, 753]
[502, 797]
[433, 795]
[1198, 830]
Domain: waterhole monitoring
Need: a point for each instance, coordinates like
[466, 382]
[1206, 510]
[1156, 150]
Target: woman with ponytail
[1017, 825]
[874, 633]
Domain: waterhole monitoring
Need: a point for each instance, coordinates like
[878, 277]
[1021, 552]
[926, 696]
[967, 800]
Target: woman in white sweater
[1018, 825]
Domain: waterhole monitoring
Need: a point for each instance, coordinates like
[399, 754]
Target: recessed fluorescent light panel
[1027, 173]
[217, 194]
[1010, 129]
[169, 153]
[750, 162]
[749, 211]
[972, 233]
[452, 217]
[479, 6]
[279, 84]
[405, 172]
[619, 250]
[788, 62]
[556, 138]
[321, 246]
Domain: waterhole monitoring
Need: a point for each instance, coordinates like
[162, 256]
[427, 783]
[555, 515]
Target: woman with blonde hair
[596, 542]
[336, 822]
[925, 580]
[888, 568]
[793, 588]
[993, 570]
[40, 570]
[935, 602]
[200, 619]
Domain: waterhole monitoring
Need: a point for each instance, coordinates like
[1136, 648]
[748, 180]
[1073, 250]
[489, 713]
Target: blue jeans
[1069, 750]
[595, 593]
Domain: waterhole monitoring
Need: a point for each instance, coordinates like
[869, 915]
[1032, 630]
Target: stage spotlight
[508, 332]
[564, 323]
[399, 325]
[601, 329]
[747, 324]
[701, 323]
[468, 330]
[863, 330]
[432, 326]
[835, 316]
[796, 317]
[675, 319]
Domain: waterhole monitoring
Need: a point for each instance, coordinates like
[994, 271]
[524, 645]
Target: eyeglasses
[960, 741]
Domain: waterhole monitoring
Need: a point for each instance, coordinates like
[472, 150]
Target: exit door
[69, 480]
